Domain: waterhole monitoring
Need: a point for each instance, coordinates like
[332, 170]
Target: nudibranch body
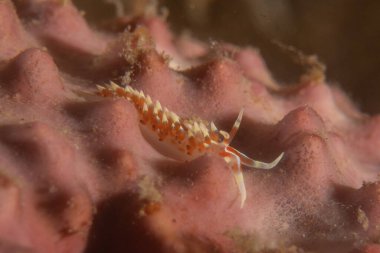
[185, 139]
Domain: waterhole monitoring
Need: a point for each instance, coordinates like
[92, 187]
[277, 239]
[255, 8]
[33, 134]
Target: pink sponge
[77, 174]
[33, 77]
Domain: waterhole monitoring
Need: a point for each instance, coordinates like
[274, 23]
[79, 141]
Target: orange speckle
[214, 136]
[180, 136]
[106, 93]
[192, 141]
[224, 154]
[201, 147]
[120, 92]
[152, 207]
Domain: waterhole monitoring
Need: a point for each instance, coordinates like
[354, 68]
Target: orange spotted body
[185, 139]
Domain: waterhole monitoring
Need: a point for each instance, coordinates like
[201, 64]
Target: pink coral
[77, 175]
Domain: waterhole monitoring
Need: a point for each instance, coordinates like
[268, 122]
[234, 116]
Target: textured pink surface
[76, 174]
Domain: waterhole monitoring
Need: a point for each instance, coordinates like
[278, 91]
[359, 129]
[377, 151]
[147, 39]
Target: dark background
[345, 34]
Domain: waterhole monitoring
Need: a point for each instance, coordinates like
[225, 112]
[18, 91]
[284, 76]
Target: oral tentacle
[249, 162]
[234, 162]
[235, 127]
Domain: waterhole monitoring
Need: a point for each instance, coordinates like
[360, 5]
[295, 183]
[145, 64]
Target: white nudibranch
[185, 139]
